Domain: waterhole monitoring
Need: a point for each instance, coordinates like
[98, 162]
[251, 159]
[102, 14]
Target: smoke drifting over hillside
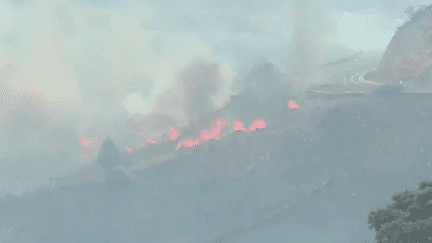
[189, 121]
[75, 72]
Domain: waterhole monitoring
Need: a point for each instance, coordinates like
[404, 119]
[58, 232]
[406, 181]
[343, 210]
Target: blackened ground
[312, 173]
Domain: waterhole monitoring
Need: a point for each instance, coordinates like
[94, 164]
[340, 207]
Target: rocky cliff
[408, 58]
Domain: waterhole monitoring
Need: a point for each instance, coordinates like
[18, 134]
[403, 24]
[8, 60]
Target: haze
[153, 72]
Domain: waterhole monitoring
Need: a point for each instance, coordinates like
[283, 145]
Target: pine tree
[109, 155]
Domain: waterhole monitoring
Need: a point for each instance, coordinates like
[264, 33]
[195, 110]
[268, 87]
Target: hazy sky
[74, 72]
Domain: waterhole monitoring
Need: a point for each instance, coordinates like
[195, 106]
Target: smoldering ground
[133, 74]
[269, 183]
[75, 72]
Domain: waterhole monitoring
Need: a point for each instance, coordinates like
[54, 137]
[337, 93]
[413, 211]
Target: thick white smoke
[74, 72]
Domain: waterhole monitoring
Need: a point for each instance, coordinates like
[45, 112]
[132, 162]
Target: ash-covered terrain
[297, 152]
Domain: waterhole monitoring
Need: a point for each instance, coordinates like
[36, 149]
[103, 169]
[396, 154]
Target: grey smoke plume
[75, 72]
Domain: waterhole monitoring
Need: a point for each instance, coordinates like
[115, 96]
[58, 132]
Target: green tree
[109, 155]
[408, 219]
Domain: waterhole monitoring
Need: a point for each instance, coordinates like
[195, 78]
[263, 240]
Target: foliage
[416, 16]
[407, 219]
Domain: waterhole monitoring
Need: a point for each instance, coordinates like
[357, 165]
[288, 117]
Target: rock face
[408, 58]
[406, 63]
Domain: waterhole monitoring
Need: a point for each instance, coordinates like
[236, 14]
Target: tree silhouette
[409, 11]
[109, 155]
[408, 219]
